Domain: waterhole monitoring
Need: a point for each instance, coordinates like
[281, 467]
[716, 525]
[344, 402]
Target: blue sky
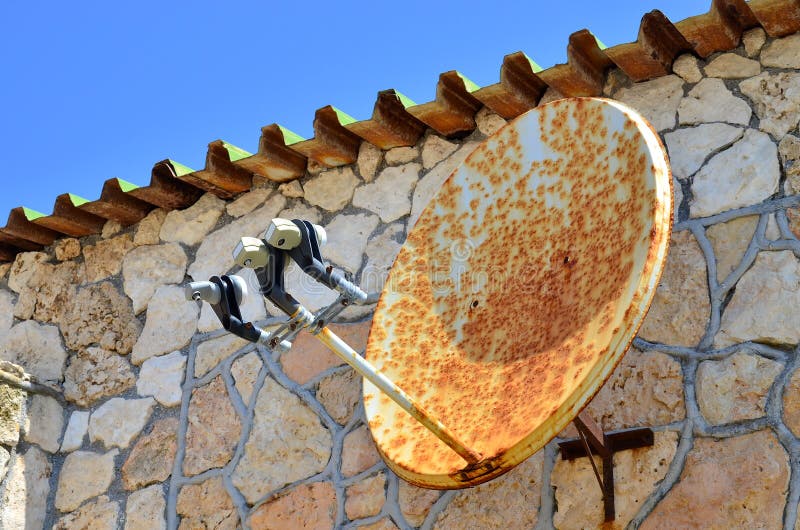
[93, 90]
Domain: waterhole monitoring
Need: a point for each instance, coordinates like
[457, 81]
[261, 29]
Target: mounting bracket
[592, 440]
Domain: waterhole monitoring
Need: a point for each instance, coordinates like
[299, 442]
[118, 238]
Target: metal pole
[385, 385]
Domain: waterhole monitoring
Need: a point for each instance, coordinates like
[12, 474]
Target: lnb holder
[283, 240]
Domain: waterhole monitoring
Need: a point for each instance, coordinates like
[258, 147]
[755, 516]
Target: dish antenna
[513, 298]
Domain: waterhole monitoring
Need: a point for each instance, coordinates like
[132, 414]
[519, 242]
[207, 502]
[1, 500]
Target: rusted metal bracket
[592, 440]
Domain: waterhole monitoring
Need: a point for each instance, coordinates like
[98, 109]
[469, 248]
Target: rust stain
[520, 288]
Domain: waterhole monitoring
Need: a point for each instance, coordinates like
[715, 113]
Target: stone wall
[169, 422]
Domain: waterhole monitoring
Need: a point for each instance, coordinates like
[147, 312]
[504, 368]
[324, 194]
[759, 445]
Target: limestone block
[77, 428]
[12, 409]
[776, 99]
[84, 475]
[145, 509]
[347, 239]
[24, 266]
[646, 389]
[5, 458]
[292, 189]
[510, 502]
[99, 314]
[429, 185]
[753, 41]
[301, 210]
[636, 474]
[789, 150]
[148, 229]
[190, 225]
[67, 248]
[118, 421]
[37, 348]
[213, 351]
[214, 256]
[415, 503]
[677, 199]
[45, 423]
[735, 388]
[100, 514]
[681, 306]
[782, 53]
[435, 149]
[791, 403]
[148, 267]
[488, 122]
[287, 443]
[208, 320]
[656, 100]
[213, 430]
[690, 147]
[110, 229]
[161, 378]
[171, 322]
[358, 452]
[369, 158]
[206, 505]
[6, 312]
[381, 253]
[151, 459]
[711, 101]
[308, 356]
[745, 174]
[23, 499]
[763, 307]
[389, 195]
[687, 68]
[339, 394]
[726, 484]
[400, 155]
[365, 498]
[50, 290]
[732, 66]
[104, 258]
[730, 241]
[247, 202]
[95, 373]
[332, 189]
[245, 371]
[307, 506]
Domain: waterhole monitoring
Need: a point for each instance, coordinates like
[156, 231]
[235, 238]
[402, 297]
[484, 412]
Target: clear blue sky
[93, 90]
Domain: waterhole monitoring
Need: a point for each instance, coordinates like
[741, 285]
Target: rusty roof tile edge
[396, 119]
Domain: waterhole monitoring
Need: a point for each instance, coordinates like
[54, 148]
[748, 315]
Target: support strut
[592, 440]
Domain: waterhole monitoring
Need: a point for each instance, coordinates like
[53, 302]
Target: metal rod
[385, 385]
[591, 460]
[30, 387]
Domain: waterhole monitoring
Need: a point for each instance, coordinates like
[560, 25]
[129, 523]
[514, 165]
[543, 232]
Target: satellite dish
[519, 289]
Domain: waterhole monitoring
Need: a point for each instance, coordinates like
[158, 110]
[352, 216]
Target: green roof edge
[180, 169]
[470, 85]
[31, 214]
[236, 153]
[343, 117]
[126, 186]
[77, 200]
[290, 137]
[405, 100]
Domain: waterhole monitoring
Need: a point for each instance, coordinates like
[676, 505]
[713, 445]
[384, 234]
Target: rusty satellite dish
[519, 289]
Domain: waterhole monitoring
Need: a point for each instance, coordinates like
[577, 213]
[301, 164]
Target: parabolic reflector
[520, 288]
